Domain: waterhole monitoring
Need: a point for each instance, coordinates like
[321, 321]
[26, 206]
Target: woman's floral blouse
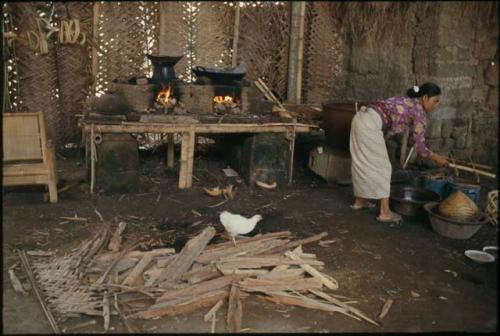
[399, 114]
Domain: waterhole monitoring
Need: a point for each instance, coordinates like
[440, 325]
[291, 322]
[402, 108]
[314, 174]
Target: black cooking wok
[220, 75]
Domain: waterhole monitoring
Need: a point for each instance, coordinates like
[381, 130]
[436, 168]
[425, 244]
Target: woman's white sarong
[371, 168]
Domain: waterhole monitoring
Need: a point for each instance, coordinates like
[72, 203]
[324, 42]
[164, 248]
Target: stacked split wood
[161, 282]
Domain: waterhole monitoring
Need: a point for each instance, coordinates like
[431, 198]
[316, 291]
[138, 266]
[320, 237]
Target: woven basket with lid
[458, 206]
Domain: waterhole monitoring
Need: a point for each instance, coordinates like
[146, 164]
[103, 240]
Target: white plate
[490, 248]
[479, 256]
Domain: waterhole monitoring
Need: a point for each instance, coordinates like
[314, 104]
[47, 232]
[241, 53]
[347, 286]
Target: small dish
[479, 256]
[493, 250]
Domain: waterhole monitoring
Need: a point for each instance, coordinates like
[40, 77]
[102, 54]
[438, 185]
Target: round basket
[458, 206]
[492, 207]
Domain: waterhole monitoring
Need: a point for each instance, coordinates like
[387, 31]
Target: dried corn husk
[213, 191]
[266, 185]
[458, 206]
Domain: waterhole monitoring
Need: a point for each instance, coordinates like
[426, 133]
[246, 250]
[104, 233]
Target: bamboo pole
[300, 53]
[92, 160]
[292, 150]
[292, 52]
[236, 34]
[95, 33]
[472, 170]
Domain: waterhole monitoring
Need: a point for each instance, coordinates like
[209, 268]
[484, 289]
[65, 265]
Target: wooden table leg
[187, 158]
[170, 150]
[190, 158]
[183, 162]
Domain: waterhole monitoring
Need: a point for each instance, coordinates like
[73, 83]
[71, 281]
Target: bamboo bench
[28, 157]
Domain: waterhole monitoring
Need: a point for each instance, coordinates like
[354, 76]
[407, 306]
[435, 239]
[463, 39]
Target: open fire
[226, 104]
[165, 97]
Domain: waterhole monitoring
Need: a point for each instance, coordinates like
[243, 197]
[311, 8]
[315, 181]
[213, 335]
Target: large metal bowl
[409, 201]
[450, 228]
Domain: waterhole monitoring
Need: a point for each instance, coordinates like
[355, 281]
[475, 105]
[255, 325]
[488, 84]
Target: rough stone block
[446, 128]
[445, 112]
[461, 141]
[433, 130]
[488, 49]
[458, 130]
[434, 144]
[465, 109]
[492, 96]
[462, 154]
[456, 70]
[448, 144]
[478, 94]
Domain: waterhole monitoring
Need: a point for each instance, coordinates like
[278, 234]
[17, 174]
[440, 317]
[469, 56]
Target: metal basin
[454, 229]
[409, 201]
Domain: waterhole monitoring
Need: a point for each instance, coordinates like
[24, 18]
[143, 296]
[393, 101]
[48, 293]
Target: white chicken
[237, 224]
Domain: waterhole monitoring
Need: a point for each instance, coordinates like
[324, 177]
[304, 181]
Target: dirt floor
[433, 285]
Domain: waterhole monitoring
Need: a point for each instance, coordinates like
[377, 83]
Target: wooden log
[193, 248]
[213, 311]
[257, 262]
[183, 306]
[293, 273]
[276, 285]
[198, 289]
[104, 257]
[223, 246]
[305, 302]
[116, 239]
[135, 275]
[207, 273]
[253, 247]
[350, 309]
[16, 284]
[234, 310]
[296, 243]
[328, 281]
[385, 308]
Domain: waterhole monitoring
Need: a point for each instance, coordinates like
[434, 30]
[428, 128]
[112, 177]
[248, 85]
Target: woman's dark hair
[426, 89]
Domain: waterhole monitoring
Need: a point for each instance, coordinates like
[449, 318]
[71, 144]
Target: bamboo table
[189, 132]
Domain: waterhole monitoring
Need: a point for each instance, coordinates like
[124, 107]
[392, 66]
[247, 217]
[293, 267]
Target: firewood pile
[105, 276]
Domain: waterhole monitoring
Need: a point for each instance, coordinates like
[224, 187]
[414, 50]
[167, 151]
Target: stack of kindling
[104, 278]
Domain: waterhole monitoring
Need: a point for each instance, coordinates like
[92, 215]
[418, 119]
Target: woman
[371, 168]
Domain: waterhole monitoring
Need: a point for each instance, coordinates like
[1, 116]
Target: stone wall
[450, 49]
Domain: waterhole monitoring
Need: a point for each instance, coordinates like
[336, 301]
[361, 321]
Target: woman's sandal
[368, 205]
[395, 220]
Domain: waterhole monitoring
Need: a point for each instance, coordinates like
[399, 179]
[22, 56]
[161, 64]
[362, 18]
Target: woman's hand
[440, 160]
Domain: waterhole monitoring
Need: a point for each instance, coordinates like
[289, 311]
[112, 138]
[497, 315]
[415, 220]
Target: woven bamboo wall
[214, 34]
[74, 71]
[37, 74]
[124, 41]
[264, 43]
[322, 54]
[174, 35]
